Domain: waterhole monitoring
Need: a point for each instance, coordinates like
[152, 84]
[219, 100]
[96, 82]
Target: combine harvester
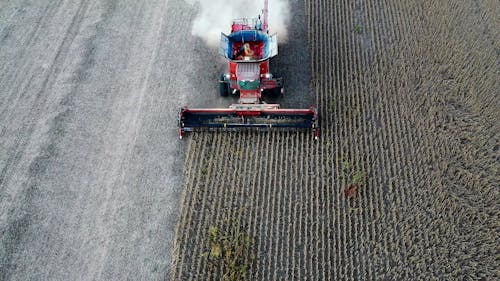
[249, 48]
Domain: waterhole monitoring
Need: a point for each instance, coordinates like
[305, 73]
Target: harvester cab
[248, 52]
[248, 49]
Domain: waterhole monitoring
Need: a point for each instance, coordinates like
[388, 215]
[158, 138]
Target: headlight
[268, 76]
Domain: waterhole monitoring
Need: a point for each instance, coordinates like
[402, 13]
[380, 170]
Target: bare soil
[90, 162]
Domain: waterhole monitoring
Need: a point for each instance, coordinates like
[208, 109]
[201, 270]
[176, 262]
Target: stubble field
[90, 162]
[408, 98]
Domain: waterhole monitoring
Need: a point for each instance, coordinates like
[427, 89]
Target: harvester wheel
[224, 87]
[277, 92]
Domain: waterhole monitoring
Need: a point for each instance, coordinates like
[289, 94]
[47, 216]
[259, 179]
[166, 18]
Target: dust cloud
[216, 16]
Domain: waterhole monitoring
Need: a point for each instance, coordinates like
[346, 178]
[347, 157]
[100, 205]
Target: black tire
[276, 92]
[224, 87]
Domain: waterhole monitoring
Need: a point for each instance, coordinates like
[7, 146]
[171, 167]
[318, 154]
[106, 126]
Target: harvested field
[408, 96]
[90, 162]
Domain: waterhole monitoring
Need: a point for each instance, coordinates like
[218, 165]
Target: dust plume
[216, 16]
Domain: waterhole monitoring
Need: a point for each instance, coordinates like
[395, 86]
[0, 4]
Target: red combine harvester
[249, 48]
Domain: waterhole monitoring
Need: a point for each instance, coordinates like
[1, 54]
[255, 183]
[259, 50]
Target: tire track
[39, 100]
[27, 65]
[14, 232]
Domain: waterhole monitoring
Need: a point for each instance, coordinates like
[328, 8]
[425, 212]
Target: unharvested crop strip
[288, 260]
[262, 207]
[185, 216]
[274, 194]
[294, 210]
[207, 209]
[302, 224]
[254, 200]
[280, 193]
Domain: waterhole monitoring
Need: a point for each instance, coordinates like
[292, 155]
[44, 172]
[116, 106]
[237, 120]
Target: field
[403, 183]
[408, 97]
[90, 162]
